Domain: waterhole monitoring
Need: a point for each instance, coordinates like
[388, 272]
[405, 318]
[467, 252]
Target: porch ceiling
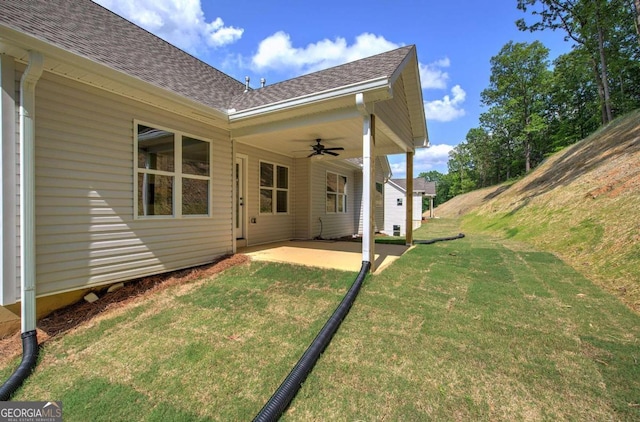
[294, 137]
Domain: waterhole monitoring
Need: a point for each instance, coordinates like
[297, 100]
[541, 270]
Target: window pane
[266, 201]
[341, 203]
[281, 205]
[155, 149]
[155, 194]
[342, 183]
[331, 202]
[332, 182]
[266, 175]
[283, 177]
[195, 156]
[195, 197]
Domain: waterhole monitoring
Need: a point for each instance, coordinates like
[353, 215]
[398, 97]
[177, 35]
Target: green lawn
[472, 329]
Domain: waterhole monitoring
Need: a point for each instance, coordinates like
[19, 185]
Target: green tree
[443, 185]
[594, 25]
[574, 105]
[519, 86]
[463, 178]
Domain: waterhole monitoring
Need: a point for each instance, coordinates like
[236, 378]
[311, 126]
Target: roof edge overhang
[17, 44]
[374, 90]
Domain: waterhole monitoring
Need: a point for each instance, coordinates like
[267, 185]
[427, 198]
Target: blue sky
[281, 39]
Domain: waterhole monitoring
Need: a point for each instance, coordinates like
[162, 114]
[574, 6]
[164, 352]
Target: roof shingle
[380, 65]
[87, 29]
[419, 185]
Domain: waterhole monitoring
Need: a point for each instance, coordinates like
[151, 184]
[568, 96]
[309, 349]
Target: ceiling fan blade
[335, 154]
[334, 149]
[312, 154]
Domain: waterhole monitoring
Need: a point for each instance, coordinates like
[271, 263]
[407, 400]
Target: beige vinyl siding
[334, 225]
[85, 228]
[268, 227]
[9, 166]
[379, 209]
[302, 199]
[395, 113]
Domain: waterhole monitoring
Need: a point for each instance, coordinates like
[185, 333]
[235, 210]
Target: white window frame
[339, 195]
[177, 174]
[274, 189]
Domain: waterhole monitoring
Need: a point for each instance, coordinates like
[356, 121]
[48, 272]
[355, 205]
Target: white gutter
[27, 190]
[357, 88]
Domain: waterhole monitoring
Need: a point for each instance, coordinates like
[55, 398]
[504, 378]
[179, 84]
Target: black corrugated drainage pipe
[280, 400]
[439, 239]
[29, 358]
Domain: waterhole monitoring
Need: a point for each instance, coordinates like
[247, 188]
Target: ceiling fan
[319, 149]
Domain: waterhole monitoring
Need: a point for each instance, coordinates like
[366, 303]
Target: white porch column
[368, 189]
[409, 208]
[431, 207]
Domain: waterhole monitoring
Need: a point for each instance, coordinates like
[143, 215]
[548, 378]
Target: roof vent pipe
[246, 84]
[263, 82]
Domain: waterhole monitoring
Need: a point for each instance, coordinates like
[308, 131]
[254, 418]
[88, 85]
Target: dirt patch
[69, 317]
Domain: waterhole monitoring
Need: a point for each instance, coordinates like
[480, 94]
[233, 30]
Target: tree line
[535, 107]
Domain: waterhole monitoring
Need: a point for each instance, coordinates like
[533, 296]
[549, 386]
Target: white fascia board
[307, 120]
[370, 85]
[23, 42]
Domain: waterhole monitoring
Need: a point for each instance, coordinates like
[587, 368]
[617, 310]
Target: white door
[240, 201]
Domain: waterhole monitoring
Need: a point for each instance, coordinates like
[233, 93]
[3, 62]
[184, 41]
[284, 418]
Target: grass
[473, 329]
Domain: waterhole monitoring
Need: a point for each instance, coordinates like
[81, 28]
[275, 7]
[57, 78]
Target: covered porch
[329, 254]
[307, 128]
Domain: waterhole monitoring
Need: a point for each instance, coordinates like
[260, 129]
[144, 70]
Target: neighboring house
[123, 156]
[395, 204]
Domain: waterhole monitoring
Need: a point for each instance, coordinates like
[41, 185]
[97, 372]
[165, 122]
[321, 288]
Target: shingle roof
[419, 185]
[87, 29]
[380, 65]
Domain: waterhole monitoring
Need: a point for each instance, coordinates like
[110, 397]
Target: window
[173, 173]
[336, 193]
[274, 188]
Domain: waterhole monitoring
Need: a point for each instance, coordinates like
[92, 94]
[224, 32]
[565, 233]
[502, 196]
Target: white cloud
[448, 108]
[277, 52]
[180, 22]
[426, 159]
[432, 75]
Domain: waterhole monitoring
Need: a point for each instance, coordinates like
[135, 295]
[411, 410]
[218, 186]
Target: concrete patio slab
[340, 255]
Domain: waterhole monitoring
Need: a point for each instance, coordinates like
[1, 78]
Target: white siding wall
[395, 214]
[333, 224]
[268, 227]
[86, 233]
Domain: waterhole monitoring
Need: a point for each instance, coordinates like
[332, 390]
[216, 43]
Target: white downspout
[27, 190]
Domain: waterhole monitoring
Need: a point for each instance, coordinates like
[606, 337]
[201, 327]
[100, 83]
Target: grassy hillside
[583, 204]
